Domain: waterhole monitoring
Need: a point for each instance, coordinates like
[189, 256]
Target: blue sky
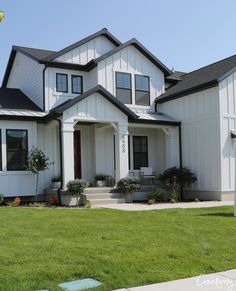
[183, 34]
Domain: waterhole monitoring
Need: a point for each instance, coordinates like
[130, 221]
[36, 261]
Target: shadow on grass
[220, 214]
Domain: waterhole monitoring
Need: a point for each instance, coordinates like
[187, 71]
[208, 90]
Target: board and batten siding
[227, 92]
[199, 114]
[54, 98]
[130, 60]
[27, 75]
[88, 51]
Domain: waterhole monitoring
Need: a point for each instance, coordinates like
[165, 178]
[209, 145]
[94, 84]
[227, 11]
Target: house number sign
[123, 143]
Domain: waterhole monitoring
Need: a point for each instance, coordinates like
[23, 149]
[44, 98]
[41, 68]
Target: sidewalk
[144, 207]
[223, 281]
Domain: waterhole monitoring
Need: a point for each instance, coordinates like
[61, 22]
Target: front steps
[103, 195]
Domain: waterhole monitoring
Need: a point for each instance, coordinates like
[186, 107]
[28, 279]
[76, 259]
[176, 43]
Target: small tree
[37, 162]
[177, 178]
[129, 186]
[76, 187]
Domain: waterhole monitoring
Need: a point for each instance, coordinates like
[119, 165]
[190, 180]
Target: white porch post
[122, 159]
[172, 148]
[67, 152]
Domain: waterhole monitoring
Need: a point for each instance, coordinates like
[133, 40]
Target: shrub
[151, 201]
[77, 186]
[1, 198]
[160, 195]
[17, 201]
[87, 204]
[176, 178]
[172, 200]
[128, 185]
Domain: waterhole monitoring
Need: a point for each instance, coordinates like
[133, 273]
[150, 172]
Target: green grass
[40, 248]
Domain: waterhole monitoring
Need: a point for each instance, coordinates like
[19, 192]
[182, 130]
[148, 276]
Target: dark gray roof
[142, 49]
[175, 76]
[34, 53]
[16, 99]
[200, 79]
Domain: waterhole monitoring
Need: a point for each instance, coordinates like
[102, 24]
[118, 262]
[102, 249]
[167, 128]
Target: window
[0, 150]
[140, 148]
[142, 90]
[62, 83]
[123, 88]
[77, 84]
[17, 149]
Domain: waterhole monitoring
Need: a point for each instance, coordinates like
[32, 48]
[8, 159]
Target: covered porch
[99, 135]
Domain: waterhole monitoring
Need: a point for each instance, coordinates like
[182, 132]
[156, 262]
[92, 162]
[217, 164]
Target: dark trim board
[154, 122]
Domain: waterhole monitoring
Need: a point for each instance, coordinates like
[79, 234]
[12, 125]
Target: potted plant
[75, 189]
[56, 182]
[128, 186]
[100, 180]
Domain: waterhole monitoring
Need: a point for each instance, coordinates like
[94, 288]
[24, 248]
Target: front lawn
[40, 248]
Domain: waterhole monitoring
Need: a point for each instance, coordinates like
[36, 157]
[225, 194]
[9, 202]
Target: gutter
[45, 67]
[61, 161]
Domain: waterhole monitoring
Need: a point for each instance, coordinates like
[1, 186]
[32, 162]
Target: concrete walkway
[144, 207]
[223, 281]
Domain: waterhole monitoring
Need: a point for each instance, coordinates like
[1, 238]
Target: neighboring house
[102, 106]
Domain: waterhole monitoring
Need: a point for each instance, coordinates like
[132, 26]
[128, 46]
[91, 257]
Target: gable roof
[142, 49]
[102, 32]
[16, 99]
[198, 80]
[97, 89]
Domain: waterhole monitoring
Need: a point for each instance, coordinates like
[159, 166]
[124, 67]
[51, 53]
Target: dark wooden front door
[77, 154]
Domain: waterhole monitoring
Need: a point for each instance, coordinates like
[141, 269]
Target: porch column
[172, 148]
[122, 158]
[67, 152]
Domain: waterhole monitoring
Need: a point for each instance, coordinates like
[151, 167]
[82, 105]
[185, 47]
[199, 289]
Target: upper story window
[17, 149]
[142, 90]
[77, 84]
[62, 83]
[123, 88]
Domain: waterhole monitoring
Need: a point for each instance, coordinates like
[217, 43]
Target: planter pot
[56, 185]
[100, 183]
[128, 198]
[68, 199]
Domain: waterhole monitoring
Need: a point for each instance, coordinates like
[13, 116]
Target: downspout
[44, 69]
[61, 161]
[180, 158]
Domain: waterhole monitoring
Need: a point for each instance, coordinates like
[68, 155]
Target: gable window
[62, 83]
[17, 149]
[123, 88]
[142, 90]
[0, 150]
[77, 84]
[140, 151]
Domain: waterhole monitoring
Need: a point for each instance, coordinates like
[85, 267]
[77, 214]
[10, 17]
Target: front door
[77, 154]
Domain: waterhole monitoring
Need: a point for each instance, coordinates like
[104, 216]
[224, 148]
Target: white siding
[88, 51]
[54, 98]
[199, 113]
[130, 60]
[48, 142]
[27, 75]
[227, 89]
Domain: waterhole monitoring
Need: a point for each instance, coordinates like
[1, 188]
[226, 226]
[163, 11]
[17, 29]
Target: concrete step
[95, 190]
[104, 196]
[96, 202]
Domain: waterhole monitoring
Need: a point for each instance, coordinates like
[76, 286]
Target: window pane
[142, 98]
[141, 83]
[77, 84]
[17, 149]
[124, 96]
[62, 83]
[140, 147]
[123, 80]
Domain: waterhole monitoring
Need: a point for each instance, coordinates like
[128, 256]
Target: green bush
[1, 198]
[100, 177]
[77, 186]
[87, 204]
[151, 201]
[128, 185]
[160, 195]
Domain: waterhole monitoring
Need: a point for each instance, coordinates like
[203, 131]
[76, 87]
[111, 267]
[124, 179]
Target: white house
[102, 106]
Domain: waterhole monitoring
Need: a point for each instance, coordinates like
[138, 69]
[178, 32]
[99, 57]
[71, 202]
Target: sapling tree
[1, 16]
[36, 163]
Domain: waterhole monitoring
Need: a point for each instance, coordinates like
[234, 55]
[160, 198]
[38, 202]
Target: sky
[183, 34]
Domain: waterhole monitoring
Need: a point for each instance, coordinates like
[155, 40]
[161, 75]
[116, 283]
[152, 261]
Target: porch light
[1, 16]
